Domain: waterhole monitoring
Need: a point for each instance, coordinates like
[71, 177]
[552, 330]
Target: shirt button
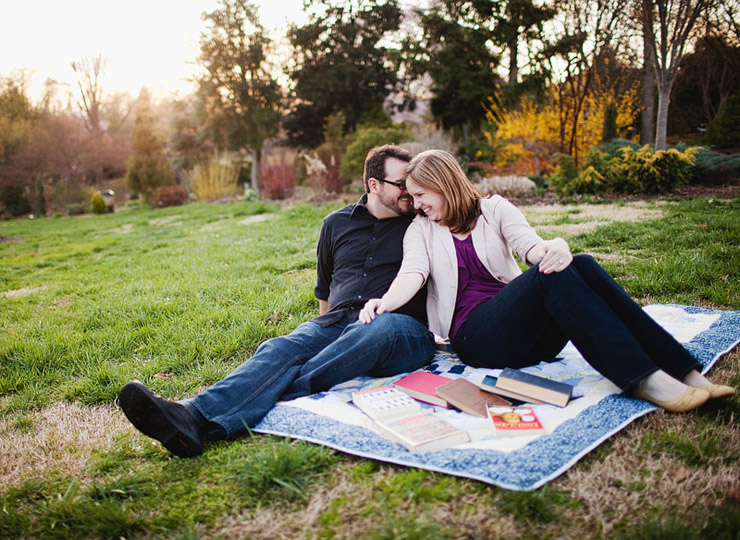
[359, 296]
[364, 275]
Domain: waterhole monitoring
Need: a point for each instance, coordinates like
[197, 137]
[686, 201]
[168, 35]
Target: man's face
[395, 199]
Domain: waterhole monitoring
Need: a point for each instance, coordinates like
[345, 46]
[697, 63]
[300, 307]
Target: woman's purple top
[475, 284]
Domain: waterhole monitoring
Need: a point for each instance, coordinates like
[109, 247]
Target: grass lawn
[179, 297]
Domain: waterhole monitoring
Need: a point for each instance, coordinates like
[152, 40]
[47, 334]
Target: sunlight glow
[145, 42]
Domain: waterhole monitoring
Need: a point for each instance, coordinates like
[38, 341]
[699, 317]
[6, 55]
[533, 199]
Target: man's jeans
[534, 316]
[312, 359]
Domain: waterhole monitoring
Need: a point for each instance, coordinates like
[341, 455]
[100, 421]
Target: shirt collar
[360, 207]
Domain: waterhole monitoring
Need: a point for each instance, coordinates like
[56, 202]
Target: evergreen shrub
[565, 175]
[724, 129]
[97, 203]
[15, 201]
[648, 171]
[363, 141]
[713, 168]
[628, 169]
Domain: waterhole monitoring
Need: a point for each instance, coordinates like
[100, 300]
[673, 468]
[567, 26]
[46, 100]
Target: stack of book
[528, 388]
[398, 415]
[401, 419]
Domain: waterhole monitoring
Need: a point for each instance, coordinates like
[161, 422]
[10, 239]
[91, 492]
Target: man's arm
[403, 289]
[324, 269]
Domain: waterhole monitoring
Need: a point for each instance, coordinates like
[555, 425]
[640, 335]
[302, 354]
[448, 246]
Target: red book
[422, 385]
[508, 421]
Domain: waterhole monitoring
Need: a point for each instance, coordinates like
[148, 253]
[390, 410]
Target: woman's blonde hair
[439, 171]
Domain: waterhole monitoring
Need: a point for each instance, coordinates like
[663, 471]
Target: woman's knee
[584, 260]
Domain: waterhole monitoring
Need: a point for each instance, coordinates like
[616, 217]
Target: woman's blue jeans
[533, 317]
[312, 359]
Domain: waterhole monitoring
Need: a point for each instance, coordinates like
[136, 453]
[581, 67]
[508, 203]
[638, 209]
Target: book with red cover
[422, 385]
[511, 421]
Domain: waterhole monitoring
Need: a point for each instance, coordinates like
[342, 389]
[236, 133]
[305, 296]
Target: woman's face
[432, 203]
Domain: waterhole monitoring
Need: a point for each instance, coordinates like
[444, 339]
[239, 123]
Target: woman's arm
[553, 255]
[403, 289]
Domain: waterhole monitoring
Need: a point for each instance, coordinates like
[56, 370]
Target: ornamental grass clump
[213, 179]
[506, 186]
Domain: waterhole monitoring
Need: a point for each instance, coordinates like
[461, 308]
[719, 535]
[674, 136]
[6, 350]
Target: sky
[144, 42]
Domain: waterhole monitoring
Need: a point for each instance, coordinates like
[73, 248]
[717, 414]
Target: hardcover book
[422, 385]
[513, 421]
[489, 385]
[547, 390]
[467, 397]
[385, 402]
[423, 432]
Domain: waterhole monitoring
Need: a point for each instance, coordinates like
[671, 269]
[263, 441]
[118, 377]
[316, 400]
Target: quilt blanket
[523, 463]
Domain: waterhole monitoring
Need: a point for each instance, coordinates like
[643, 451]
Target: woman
[496, 316]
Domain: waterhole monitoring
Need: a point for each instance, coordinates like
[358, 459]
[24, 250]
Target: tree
[147, 167]
[668, 24]
[89, 71]
[241, 97]
[587, 33]
[341, 64]
[647, 117]
[516, 22]
[712, 73]
[454, 50]
[15, 118]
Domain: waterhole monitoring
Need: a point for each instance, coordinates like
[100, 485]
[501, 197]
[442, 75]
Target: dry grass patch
[24, 291]
[587, 217]
[61, 438]
[124, 229]
[634, 478]
[343, 507]
[256, 219]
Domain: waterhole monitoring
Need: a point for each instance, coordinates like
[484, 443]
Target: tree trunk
[647, 117]
[513, 59]
[661, 127]
[255, 171]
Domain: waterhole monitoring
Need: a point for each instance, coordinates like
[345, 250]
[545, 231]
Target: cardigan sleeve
[516, 230]
[415, 252]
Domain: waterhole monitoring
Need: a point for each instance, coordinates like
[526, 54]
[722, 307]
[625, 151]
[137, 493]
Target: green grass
[179, 297]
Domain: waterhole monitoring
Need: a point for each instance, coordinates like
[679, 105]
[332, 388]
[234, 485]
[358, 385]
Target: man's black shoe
[168, 422]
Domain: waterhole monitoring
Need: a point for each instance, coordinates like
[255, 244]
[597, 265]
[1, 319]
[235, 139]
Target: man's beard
[397, 204]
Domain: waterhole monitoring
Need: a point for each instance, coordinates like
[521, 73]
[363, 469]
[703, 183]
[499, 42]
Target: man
[359, 253]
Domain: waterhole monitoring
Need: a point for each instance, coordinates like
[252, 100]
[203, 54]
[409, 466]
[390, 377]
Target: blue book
[534, 386]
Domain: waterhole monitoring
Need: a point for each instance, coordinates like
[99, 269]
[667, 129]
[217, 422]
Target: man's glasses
[401, 184]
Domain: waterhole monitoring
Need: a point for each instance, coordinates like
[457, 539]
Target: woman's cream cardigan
[428, 249]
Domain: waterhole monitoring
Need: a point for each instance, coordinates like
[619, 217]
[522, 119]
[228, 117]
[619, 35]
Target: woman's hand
[371, 308]
[553, 255]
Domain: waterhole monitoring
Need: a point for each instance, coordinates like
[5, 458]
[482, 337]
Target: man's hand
[553, 255]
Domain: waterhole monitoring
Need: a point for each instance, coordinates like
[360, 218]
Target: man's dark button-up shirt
[358, 258]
